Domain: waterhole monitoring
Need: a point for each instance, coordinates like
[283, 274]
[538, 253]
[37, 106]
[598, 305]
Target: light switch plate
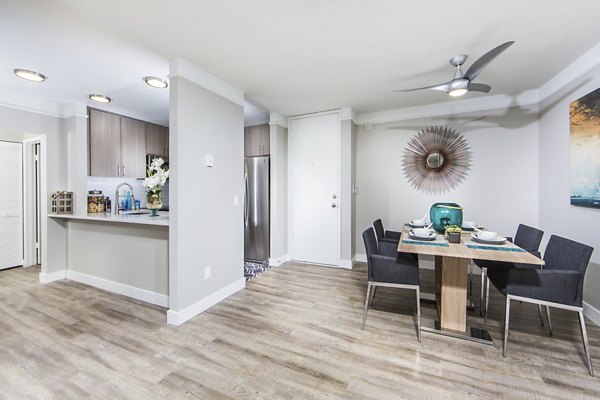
[208, 160]
[206, 272]
[236, 200]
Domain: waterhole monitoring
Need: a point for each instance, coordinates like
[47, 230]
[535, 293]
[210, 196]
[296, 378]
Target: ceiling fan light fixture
[457, 92]
[29, 75]
[100, 98]
[155, 82]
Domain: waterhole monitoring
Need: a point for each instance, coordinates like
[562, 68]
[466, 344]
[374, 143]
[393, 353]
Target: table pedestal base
[472, 334]
[430, 297]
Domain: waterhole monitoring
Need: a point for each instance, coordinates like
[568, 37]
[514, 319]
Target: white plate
[416, 226]
[432, 236]
[499, 240]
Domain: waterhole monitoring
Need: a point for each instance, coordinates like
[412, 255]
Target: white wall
[54, 162]
[346, 200]
[500, 191]
[279, 199]
[557, 216]
[206, 228]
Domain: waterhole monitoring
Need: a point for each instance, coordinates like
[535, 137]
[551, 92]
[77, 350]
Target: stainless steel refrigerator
[256, 209]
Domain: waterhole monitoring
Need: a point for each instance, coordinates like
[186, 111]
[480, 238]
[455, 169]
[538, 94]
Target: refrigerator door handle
[246, 200]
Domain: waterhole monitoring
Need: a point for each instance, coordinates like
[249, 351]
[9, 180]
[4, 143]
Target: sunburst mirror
[437, 159]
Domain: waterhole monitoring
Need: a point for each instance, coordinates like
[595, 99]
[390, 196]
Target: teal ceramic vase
[444, 214]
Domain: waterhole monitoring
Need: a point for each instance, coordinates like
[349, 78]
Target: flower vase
[444, 214]
[154, 202]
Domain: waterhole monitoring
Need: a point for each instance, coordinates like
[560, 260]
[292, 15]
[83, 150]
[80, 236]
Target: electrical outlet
[236, 200]
[206, 272]
[209, 160]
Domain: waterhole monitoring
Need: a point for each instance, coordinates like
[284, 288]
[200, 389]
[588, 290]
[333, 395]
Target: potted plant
[156, 176]
[453, 232]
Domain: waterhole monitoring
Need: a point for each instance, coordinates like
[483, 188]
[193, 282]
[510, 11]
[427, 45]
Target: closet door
[11, 204]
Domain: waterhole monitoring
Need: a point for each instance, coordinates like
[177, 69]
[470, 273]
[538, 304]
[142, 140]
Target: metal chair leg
[541, 316]
[586, 344]
[418, 315]
[487, 297]
[366, 306]
[372, 295]
[506, 321]
[548, 316]
[481, 297]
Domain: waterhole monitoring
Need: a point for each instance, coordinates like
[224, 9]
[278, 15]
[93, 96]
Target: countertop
[145, 219]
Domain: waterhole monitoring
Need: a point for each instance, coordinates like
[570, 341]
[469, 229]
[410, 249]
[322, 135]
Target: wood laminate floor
[293, 333]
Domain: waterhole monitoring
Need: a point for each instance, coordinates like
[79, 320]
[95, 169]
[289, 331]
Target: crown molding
[576, 69]
[10, 100]
[180, 67]
[347, 113]
[74, 110]
[527, 98]
[278, 119]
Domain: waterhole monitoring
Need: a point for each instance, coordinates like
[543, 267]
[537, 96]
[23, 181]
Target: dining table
[451, 273]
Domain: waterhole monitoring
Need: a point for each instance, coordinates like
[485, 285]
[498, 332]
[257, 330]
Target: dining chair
[527, 238]
[390, 239]
[389, 270]
[559, 284]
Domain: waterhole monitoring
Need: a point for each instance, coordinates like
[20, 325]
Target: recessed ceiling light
[100, 98]
[29, 75]
[155, 82]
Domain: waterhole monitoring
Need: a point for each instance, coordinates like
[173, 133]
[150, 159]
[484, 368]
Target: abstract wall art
[584, 116]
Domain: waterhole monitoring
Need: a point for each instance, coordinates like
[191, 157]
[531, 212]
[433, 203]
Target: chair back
[528, 238]
[567, 254]
[370, 247]
[379, 231]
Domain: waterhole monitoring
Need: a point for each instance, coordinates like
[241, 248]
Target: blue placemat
[486, 247]
[437, 244]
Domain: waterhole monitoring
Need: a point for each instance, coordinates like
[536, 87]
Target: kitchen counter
[126, 218]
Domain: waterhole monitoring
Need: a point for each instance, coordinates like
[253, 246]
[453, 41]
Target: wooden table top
[460, 250]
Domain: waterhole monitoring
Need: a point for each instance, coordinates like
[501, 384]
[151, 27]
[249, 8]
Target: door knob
[333, 205]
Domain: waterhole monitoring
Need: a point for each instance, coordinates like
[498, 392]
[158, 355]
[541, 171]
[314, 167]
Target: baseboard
[276, 262]
[179, 317]
[347, 264]
[47, 277]
[360, 258]
[592, 313]
[120, 288]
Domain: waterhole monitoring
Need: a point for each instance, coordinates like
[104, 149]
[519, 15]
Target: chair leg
[372, 295]
[487, 297]
[481, 296]
[541, 315]
[506, 321]
[586, 344]
[548, 316]
[366, 306]
[418, 315]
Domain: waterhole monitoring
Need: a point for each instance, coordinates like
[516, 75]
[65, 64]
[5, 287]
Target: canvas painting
[585, 150]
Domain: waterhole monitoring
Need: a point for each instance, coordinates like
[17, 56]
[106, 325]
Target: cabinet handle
[123, 170]
[118, 170]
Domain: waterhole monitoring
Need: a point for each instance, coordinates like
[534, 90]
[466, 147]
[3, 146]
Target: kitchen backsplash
[108, 186]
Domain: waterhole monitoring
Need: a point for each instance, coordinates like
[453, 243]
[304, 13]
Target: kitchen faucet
[116, 206]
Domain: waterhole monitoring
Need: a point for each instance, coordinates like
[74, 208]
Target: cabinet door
[156, 139]
[165, 131]
[105, 144]
[263, 139]
[133, 148]
[250, 142]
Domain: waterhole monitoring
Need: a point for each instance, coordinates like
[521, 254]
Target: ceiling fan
[463, 83]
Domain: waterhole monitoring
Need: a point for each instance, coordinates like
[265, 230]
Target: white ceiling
[289, 56]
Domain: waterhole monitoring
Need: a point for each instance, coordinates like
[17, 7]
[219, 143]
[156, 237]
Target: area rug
[254, 269]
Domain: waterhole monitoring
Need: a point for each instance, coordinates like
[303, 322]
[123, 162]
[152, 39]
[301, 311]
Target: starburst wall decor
[437, 159]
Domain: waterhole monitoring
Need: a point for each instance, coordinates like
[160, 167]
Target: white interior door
[314, 153]
[11, 204]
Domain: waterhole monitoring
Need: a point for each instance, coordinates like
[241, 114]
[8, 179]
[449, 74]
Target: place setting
[421, 233]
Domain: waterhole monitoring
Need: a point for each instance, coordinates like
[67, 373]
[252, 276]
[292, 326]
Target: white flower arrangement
[156, 175]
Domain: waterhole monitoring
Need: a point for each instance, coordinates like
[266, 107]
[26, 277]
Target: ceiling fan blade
[479, 87]
[444, 87]
[485, 59]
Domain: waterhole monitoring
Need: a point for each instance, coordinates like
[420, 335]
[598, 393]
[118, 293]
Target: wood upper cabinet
[104, 144]
[256, 140]
[157, 139]
[133, 148]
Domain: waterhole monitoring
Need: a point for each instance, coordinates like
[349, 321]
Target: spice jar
[95, 201]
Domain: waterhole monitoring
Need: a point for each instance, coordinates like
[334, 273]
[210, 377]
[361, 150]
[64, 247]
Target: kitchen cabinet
[256, 140]
[104, 143]
[157, 139]
[118, 145]
[133, 148]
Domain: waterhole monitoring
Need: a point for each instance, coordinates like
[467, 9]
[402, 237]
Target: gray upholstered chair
[559, 284]
[389, 268]
[527, 238]
[383, 235]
